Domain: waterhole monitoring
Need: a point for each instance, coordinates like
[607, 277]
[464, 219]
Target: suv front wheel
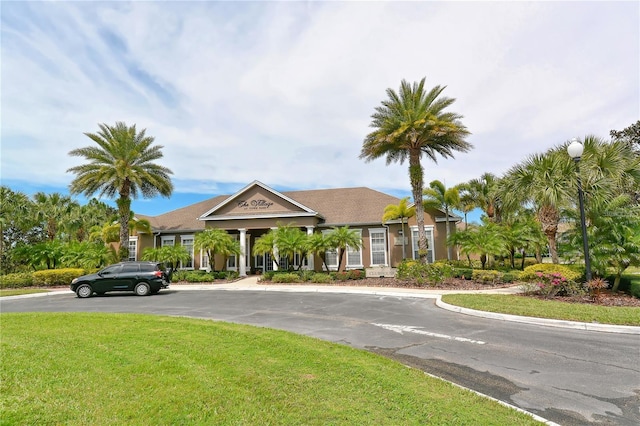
[84, 290]
[142, 289]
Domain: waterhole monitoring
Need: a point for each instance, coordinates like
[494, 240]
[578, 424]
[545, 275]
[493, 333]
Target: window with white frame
[354, 256]
[428, 229]
[330, 256]
[167, 240]
[297, 260]
[378, 243]
[204, 260]
[133, 249]
[187, 242]
[232, 260]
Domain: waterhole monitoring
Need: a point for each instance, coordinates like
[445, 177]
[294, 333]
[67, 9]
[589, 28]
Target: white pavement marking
[411, 329]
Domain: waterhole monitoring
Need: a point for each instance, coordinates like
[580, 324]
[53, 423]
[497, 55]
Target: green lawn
[106, 369]
[531, 307]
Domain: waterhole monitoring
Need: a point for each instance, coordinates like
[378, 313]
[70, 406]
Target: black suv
[143, 278]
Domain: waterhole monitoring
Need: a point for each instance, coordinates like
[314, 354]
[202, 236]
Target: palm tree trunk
[404, 241]
[549, 219]
[340, 258]
[446, 212]
[616, 282]
[417, 186]
[124, 208]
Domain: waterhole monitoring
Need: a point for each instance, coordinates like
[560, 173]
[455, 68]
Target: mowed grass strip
[21, 291]
[106, 369]
[531, 307]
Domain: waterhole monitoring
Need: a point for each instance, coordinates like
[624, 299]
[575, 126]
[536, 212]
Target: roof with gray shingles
[341, 206]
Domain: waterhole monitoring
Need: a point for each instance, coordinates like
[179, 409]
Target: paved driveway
[572, 377]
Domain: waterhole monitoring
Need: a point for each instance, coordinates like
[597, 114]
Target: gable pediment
[254, 201]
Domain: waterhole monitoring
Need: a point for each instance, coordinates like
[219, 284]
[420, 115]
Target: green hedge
[17, 280]
[466, 273]
[530, 272]
[321, 278]
[286, 278]
[56, 277]
[628, 283]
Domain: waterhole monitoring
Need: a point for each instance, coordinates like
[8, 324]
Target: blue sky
[283, 92]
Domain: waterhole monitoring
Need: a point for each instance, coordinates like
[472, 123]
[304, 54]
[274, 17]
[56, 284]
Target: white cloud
[283, 91]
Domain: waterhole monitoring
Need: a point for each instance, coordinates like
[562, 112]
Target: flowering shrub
[555, 284]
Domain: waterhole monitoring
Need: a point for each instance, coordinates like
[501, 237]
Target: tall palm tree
[122, 164]
[408, 125]
[54, 210]
[541, 181]
[548, 183]
[467, 201]
[484, 191]
[438, 196]
[403, 212]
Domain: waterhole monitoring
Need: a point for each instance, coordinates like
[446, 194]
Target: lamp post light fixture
[575, 150]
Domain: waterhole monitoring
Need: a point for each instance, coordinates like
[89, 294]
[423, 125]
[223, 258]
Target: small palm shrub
[595, 287]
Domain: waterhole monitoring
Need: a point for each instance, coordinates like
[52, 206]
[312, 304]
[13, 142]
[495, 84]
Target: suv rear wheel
[84, 290]
[142, 289]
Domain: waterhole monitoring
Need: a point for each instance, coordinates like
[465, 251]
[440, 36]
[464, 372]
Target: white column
[243, 254]
[310, 256]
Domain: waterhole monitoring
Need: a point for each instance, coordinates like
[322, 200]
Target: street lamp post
[575, 150]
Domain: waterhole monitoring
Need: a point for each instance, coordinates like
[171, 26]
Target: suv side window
[111, 270]
[127, 268]
[148, 267]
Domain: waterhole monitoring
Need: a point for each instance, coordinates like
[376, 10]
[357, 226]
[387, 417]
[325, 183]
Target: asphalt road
[571, 377]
